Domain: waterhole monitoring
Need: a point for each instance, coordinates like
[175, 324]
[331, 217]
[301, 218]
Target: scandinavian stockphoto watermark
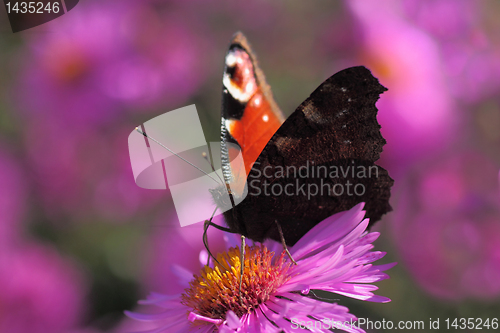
[367, 324]
[311, 180]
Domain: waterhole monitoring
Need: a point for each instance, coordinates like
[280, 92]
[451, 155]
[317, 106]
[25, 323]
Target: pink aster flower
[335, 257]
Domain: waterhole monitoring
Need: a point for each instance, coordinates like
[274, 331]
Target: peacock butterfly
[299, 171]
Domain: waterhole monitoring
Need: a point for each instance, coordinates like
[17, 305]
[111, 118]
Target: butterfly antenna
[179, 156]
[205, 156]
[242, 265]
[284, 243]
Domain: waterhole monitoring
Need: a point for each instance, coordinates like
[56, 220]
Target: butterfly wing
[335, 129]
[250, 115]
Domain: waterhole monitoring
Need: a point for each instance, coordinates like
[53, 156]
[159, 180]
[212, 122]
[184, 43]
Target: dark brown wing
[333, 138]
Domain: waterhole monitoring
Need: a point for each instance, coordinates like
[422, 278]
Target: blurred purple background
[80, 242]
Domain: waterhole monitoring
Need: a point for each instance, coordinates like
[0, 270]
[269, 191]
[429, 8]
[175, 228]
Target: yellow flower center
[217, 290]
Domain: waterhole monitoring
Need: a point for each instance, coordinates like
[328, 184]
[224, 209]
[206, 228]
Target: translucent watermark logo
[28, 14]
[170, 151]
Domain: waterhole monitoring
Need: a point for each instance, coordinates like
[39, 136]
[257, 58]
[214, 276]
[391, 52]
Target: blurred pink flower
[417, 113]
[473, 69]
[13, 198]
[80, 172]
[444, 19]
[447, 227]
[333, 257]
[40, 291]
[109, 57]
[470, 50]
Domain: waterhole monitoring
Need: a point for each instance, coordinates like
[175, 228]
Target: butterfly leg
[207, 224]
[216, 226]
[284, 243]
[242, 265]
[205, 242]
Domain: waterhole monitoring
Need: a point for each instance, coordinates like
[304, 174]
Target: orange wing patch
[253, 128]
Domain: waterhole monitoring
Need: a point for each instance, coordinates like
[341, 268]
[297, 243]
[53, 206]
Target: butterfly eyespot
[343, 89]
[349, 100]
[239, 78]
[265, 118]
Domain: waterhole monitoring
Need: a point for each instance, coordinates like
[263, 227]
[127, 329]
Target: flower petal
[328, 231]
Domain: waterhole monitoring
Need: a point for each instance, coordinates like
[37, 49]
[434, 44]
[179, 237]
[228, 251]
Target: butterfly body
[295, 170]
